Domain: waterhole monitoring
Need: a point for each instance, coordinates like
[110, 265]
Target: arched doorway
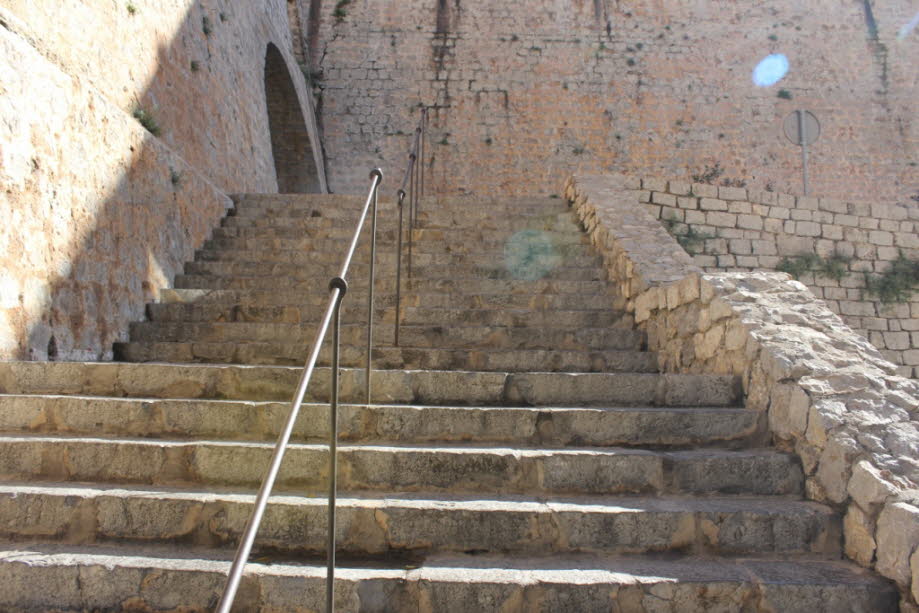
[294, 163]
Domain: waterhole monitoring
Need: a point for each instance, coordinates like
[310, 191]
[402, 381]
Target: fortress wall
[729, 229]
[525, 90]
[96, 213]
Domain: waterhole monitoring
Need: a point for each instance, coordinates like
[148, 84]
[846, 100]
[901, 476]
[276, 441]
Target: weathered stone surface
[897, 535]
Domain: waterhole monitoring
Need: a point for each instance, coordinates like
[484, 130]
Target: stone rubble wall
[523, 92]
[96, 213]
[830, 396]
[742, 230]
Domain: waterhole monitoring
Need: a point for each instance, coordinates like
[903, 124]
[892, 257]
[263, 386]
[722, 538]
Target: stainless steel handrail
[338, 286]
[414, 181]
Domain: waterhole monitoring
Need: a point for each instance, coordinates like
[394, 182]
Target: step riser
[392, 358]
[355, 313]
[421, 387]
[186, 419]
[408, 469]
[698, 586]
[466, 337]
[422, 528]
[385, 271]
[544, 302]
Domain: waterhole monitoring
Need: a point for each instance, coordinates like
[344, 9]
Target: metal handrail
[414, 181]
[338, 286]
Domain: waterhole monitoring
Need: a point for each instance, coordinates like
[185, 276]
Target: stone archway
[294, 162]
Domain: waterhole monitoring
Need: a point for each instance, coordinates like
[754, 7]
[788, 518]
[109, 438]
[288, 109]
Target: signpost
[802, 129]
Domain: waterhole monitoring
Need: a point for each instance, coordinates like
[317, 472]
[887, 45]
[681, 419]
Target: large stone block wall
[524, 91]
[829, 395]
[96, 213]
[735, 229]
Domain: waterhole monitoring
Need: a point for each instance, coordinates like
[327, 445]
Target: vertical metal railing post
[342, 285]
[373, 257]
[398, 321]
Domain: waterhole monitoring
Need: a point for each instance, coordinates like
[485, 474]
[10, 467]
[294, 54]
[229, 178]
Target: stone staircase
[521, 453]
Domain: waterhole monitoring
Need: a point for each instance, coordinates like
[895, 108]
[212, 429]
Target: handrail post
[373, 254]
[399, 270]
[342, 285]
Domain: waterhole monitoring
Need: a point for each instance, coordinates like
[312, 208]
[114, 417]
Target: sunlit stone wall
[97, 212]
[524, 91]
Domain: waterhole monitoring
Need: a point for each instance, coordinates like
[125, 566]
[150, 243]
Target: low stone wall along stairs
[522, 452]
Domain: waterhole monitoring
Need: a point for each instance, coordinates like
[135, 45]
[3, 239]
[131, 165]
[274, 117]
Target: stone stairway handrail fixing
[338, 286]
[414, 181]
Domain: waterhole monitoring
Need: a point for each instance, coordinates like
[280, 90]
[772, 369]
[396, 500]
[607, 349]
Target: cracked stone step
[419, 260]
[391, 358]
[455, 469]
[531, 269]
[286, 297]
[239, 382]
[415, 285]
[43, 576]
[458, 337]
[253, 313]
[262, 421]
[421, 525]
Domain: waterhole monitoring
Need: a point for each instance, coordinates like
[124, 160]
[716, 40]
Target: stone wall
[96, 212]
[829, 395]
[524, 91]
[735, 229]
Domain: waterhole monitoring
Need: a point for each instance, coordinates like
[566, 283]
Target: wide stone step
[403, 524]
[386, 249]
[388, 386]
[157, 578]
[414, 358]
[416, 285]
[454, 469]
[243, 312]
[161, 578]
[472, 205]
[262, 421]
[357, 299]
[562, 222]
[385, 271]
[464, 337]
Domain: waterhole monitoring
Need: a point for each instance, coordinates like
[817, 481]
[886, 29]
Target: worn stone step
[249, 420]
[161, 578]
[400, 386]
[385, 271]
[472, 205]
[417, 285]
[241, 312]
[334, 250]
[441, 468]
[458, 336]
[286, 297]
[405, 524]
[562, 222]
[389, 358]
[386, 260]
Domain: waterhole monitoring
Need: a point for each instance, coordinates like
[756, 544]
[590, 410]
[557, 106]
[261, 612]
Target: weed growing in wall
[341, 11]
[175, 177]
[784, 94]
[195, 66]
[132, 8]
[710, 174]
[690, 239]
[897, 283]
[206, 26]
[146, 119]
[833, 267]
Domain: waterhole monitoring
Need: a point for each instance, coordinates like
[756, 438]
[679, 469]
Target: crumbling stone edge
[829, 395]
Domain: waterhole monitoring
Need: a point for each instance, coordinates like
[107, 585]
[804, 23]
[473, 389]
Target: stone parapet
[830, 396]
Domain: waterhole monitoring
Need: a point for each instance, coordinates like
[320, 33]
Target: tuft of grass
[341, 10]
[773, 37]
[132, 8]
[897, 283]
[195, 66]
[206, 26]
[709, 174]
[578, 150]
[832, 267]
[444, 141]
[514, 38]
[488, 141]
[175, 177]
[146, 119]
[224, 17]
[630, 61]
[784, 94]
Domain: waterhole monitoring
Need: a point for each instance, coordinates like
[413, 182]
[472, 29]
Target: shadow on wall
[99, 213]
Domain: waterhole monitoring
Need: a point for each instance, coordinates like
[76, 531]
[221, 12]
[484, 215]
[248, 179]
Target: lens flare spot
[909, 27]
[770, 70]
[530, 255]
